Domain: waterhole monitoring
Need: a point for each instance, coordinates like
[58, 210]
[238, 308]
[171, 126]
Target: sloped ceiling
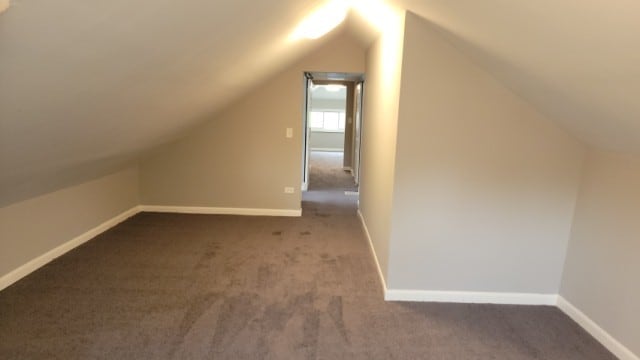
[578, 62]
[86, 86]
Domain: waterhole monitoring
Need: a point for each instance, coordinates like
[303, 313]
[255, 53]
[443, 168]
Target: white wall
[602, 271]
[240, 158]
[326, 140]
[328, 104]
[30, 228]
[379, 125]
[484, 187]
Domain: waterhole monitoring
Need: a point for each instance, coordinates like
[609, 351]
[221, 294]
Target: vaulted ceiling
[86, 86]
[576, 61]
[89, 85]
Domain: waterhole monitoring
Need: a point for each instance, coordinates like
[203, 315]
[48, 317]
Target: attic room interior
[154, 158]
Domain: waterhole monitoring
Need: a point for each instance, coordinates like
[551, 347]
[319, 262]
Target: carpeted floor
[169, 286]
[326, 172]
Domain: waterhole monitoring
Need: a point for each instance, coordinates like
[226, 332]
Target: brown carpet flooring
[169, 286]
[326, 172]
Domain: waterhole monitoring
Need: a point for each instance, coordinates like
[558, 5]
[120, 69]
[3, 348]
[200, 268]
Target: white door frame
[305, 131]
[306, 149]
[357, 131]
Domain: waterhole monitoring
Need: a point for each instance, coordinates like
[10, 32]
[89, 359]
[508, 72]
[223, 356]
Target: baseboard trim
[470, 297]
[34, 264]
[328, 149]
[221, 210]
[608, 341]
[373, 251]
[619, 350]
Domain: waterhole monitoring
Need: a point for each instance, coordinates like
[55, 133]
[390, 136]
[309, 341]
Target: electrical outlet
[288, 190]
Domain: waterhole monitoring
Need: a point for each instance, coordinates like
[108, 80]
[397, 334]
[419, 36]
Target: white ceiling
[321, 92]
[93, 84]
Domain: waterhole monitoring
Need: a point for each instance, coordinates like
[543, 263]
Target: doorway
[332, 129]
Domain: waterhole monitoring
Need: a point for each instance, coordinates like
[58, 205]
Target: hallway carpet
[171, 286]
[326, 172]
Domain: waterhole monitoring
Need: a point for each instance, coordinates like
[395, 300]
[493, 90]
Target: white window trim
[329, 110]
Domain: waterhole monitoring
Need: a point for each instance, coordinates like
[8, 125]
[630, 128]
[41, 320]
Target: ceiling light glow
[377, 12]
[333, 88]
[4, 5]
[322, 20]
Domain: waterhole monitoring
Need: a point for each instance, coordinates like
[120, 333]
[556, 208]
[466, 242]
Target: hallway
[171, 286]
[327, 185]
[326, 172]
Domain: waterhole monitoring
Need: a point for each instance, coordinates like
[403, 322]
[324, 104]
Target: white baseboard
[578, 316]
[470, 297]
[35, 264]
[373, 251]
[220, 210]
[455, 296]
[619, 350]
[328, 149]
[608, 341]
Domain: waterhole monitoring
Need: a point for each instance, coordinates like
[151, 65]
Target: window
[327, 120]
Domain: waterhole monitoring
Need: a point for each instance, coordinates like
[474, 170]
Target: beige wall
[379, 124]
[349, 136]
[33, 227]
[602, 268]
[485, 186]
[241, 158]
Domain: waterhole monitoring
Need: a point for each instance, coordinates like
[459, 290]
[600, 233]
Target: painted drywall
[241, 158]
[118, 78]
[33, 227]
[575, 61]
[484, 187]
[324, 140]
[379, 125]
[602, 268]
[349, 136]
[328, 104]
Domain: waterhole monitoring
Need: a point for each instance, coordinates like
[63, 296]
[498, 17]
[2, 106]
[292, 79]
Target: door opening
[332, 125]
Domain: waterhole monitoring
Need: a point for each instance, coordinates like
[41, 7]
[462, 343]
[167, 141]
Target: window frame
[341, 115]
